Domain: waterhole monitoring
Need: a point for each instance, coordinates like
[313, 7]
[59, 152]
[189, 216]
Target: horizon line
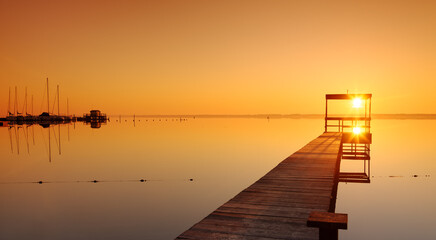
[294, 115]
[273, 115]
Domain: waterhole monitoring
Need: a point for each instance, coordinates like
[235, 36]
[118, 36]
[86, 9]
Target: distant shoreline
[277, 116]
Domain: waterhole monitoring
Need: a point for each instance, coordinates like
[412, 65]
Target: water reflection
[14, 137]
[356, 148]
[53, 128]
[14, 132]
[213, 152]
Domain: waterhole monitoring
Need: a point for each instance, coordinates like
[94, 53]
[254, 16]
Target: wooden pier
[278, 205]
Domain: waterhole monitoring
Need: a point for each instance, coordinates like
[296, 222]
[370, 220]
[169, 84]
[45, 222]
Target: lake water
[190, 168]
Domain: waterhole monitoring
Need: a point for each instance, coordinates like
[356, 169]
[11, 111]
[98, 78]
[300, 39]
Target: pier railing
[349, 123]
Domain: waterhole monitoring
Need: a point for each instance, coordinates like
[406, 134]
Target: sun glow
[356, 130]
[357, 103]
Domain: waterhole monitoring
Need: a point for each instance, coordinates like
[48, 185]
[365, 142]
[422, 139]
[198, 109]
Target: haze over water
[219, 57]
[222, 157]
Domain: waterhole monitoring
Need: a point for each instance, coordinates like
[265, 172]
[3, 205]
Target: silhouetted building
[95, 115]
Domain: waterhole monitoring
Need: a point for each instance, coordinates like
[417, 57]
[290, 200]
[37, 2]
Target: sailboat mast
[32, 104]
[48, 101]
[15, 103]
[58, 102]
[9, 102]
[68, 108]
[25, 99]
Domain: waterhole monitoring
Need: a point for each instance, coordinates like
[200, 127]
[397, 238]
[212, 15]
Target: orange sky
[221, 57]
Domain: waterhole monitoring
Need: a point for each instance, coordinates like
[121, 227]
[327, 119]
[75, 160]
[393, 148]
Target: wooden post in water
[328, 224]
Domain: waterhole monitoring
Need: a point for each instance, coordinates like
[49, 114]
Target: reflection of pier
[356, 148]
[296, 199]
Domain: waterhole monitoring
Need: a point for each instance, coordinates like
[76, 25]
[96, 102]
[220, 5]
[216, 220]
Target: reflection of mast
[33, 134]
[10, 139]
[58, 139]
[49, 142]
[26, 133]
[59, 131]
[17, 138]
[68, 114]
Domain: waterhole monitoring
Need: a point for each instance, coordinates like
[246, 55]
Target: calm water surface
[221, 156]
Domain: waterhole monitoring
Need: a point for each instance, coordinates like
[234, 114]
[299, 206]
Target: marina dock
[278, 205]
[45, 119]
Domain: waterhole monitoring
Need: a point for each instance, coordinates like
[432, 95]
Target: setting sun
[356, 130]
[357, 103]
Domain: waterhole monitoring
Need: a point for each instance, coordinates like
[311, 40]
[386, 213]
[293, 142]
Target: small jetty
[297, 198]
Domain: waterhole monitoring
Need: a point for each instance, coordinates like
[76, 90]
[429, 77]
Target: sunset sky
[219, 57]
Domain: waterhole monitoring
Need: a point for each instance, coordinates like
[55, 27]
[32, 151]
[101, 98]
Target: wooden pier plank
[278, 205]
